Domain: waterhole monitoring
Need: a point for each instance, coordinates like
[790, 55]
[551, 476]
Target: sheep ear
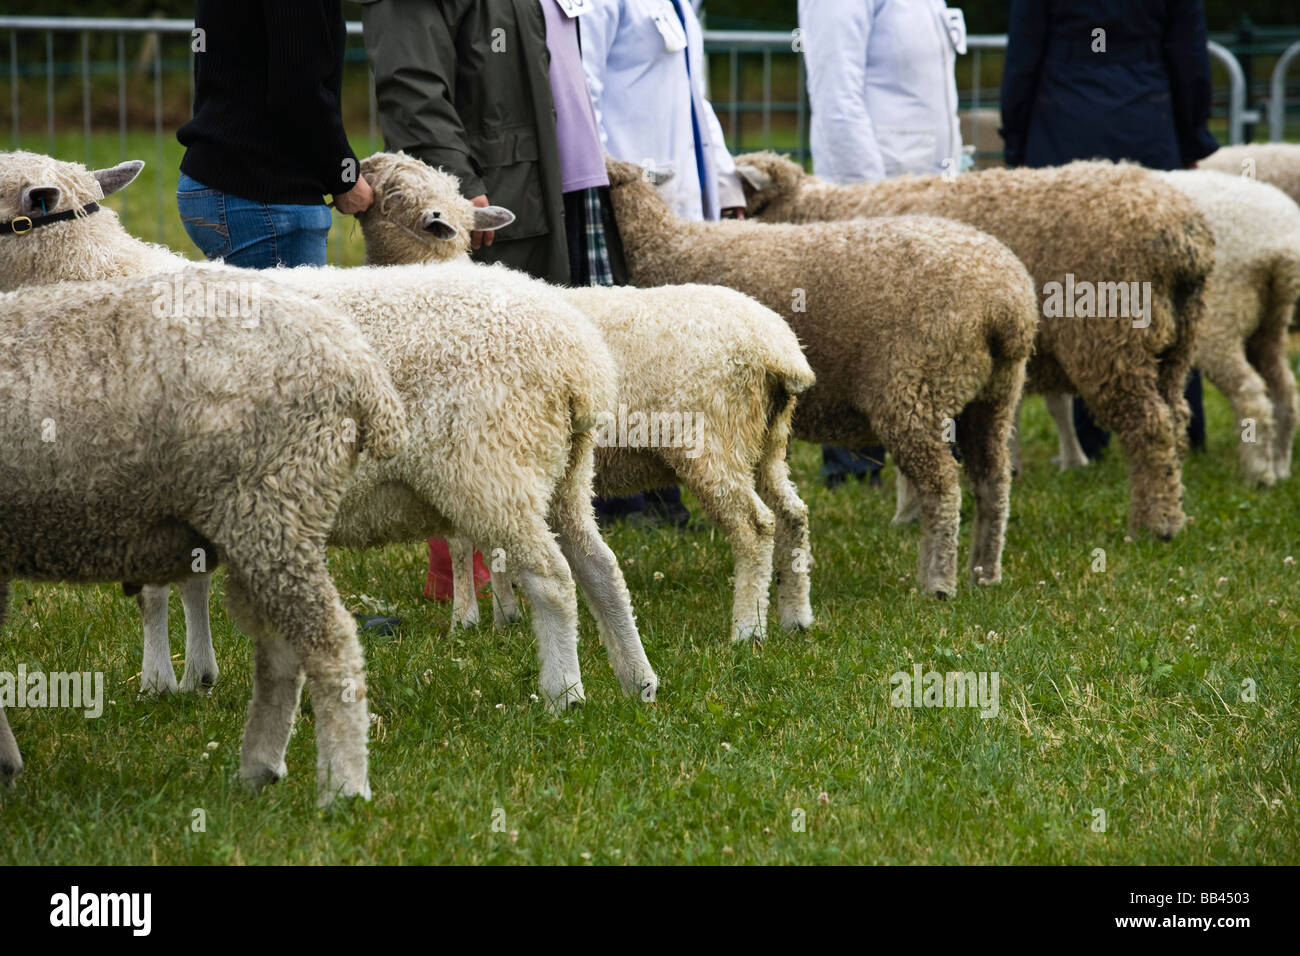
[440, 229]
[117, 177]
[487, 218]
[753, 177]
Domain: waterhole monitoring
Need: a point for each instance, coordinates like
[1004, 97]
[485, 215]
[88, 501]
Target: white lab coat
[882, 88]
[643, 102]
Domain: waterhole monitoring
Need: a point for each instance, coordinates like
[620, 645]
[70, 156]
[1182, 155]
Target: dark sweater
[266, 120]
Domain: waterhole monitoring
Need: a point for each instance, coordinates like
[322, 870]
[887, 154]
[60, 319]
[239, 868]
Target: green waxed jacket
[465, 85]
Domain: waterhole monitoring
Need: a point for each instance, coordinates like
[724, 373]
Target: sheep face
[419, 214]
[768, 180]
[35, 185]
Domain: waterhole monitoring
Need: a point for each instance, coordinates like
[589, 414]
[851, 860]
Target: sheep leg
[792, 550]
[11, 761]
[302, 629]
[1227, 368]
[505, 606]
[907, 506]
[750, 528]
[156, 673]
[928, 464]
[546, 579]
[1014, 443]
[464, 599]
[1061, 408]
[200, 658]
[1133, 405]
[600, 577]
[1267, 352]
[982, 432]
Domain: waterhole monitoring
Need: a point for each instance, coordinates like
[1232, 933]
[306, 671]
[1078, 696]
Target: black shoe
[379, 626]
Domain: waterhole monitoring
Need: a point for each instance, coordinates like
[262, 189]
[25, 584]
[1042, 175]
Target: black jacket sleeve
[412, 45]
[305, 67]
[1188, 61]
[1026, 42]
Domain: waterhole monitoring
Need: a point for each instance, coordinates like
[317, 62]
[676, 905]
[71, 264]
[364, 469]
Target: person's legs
[1092, 439]
[1196, 426]
[838, 464]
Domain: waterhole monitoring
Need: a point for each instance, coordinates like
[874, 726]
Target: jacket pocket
[508, 162]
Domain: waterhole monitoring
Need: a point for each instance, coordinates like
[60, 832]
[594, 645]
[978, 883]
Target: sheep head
[768, 180]
[419, 214]
[32, 184]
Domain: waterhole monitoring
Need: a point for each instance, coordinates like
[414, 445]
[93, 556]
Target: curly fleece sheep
[502, 380]
[1092, 222]
[134, 437]
[1277, 164]
[915, 327]
[722, 368]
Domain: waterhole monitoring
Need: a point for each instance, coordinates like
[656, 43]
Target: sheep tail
[383, 428]
[1286, 279]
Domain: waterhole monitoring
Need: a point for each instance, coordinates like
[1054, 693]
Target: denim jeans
[249, 234]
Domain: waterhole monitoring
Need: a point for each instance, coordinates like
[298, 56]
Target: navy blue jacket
[1145, 99]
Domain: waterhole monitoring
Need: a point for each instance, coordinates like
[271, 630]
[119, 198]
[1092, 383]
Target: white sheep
[918, 330]
[143, 432]
[502, 380]
[1277, 164]
[715, 369]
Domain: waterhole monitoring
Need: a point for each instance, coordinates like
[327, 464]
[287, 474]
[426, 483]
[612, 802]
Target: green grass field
[1120, 691]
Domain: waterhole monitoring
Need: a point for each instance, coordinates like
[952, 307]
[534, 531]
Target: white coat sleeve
[730, 193]
[597, 30]
[836, 34]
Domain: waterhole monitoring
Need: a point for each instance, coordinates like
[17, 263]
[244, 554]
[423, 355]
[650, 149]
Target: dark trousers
[839, 464]
[1093, 440]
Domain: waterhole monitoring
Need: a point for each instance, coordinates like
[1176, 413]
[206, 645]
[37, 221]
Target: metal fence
[743, 65]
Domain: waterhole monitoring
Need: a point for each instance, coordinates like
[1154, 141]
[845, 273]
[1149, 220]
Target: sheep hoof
[941, 594]
[258, 777]
[9, 769]
[202, 685]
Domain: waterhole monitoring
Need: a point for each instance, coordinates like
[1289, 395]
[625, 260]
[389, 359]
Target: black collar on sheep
[21, 225]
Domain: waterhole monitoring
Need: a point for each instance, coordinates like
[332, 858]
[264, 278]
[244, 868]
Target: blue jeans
[249, 234]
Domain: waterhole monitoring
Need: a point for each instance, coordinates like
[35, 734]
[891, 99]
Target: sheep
[502, 380]
[1101, 224]
[917, 329]
[1277, 164]
[1250, 301]
[142, 433]
[724, 369]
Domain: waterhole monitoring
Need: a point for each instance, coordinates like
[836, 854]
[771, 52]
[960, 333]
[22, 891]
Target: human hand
[356, 200]
[482, 237]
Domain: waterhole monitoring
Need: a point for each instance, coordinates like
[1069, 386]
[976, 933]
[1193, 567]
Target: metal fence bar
[13, 85]
[158, 131]
[1237, 116]
[49, 86]
[1277, 94]
[85, 93]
